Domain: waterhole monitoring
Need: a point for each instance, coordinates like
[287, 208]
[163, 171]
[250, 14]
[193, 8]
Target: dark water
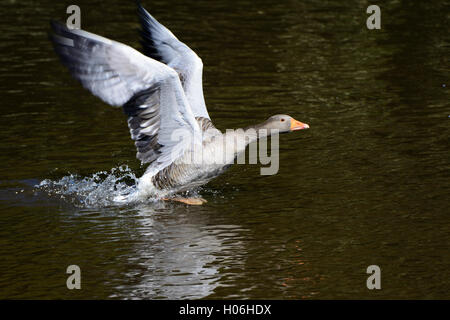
[369, 183]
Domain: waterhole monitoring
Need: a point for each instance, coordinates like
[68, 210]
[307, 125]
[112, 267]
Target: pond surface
[368, 184]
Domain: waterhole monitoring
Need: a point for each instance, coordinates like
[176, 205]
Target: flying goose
[162, 95]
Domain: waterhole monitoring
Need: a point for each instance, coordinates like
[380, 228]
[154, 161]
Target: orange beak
[297, 125]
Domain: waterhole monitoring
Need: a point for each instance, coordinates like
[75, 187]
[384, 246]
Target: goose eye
[282, 120]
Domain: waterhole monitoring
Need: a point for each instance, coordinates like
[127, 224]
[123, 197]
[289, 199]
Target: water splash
[118, 187]
[101, 189]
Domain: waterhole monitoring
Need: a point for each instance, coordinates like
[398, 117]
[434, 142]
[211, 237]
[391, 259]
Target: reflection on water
[177, 261]
[368, 184]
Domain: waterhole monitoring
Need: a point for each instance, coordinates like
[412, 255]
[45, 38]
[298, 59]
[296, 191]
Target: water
[367, 184]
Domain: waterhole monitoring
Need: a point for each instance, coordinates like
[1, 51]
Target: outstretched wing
[149, 91]
[160, 44]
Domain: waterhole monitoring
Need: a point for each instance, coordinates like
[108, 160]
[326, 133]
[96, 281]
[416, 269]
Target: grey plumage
[162, 45]
[144, 121]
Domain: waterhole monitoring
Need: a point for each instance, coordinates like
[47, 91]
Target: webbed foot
[190, 201]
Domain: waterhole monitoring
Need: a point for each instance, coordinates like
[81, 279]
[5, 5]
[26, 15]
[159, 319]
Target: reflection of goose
[162, 95]
[172, 259]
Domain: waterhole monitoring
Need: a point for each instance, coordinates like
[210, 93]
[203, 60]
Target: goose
[161, 93]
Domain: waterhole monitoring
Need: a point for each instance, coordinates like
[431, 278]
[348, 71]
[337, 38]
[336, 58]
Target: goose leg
[190, 201]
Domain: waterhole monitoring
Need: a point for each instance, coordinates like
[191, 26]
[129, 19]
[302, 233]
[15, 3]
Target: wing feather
[149, 91]
[161, 44]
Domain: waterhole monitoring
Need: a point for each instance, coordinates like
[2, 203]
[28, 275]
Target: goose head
[283, 123]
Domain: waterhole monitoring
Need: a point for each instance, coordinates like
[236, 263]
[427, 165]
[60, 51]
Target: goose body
[162, 95]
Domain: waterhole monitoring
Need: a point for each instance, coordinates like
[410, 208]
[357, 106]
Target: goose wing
[160, 44]
[149, 91]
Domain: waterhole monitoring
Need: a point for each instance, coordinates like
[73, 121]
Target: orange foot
[190, 201]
